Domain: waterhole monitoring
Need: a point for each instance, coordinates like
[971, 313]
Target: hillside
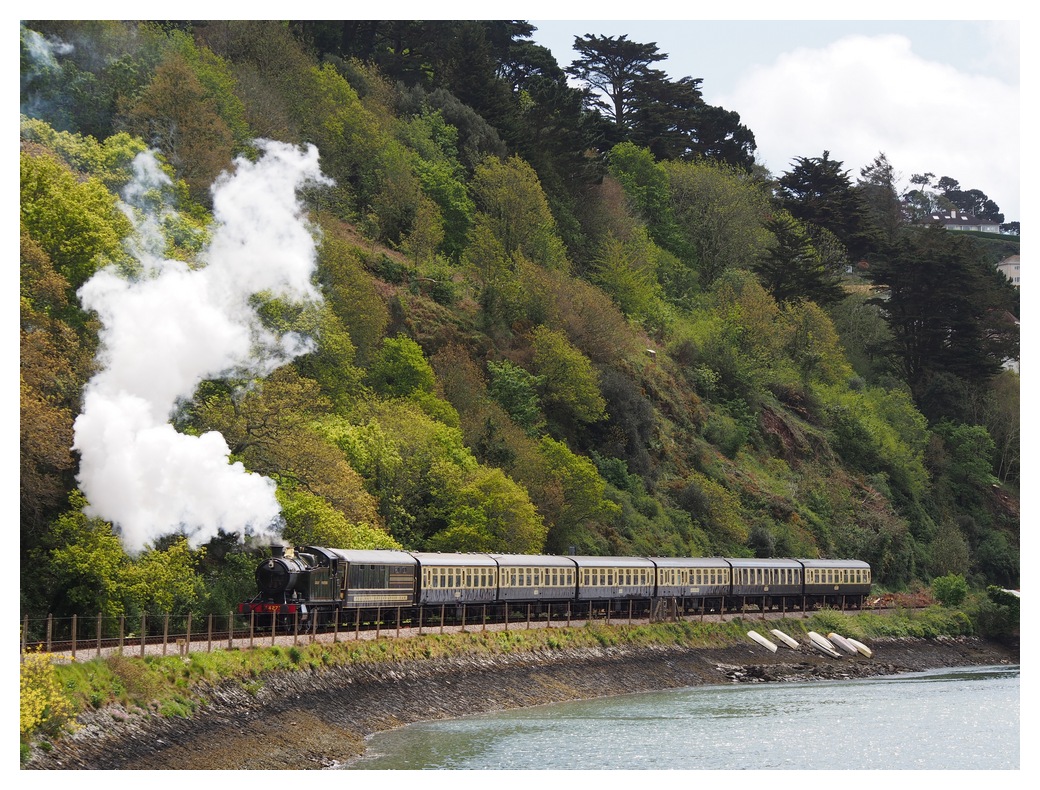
[272, 292]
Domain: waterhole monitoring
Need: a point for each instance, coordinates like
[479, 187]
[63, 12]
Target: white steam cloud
[169, 327]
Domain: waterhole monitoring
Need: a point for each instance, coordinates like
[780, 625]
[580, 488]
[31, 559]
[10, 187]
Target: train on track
[323, 586]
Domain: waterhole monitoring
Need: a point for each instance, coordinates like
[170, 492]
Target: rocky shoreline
[320, 719]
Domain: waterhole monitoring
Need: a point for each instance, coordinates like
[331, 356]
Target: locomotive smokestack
[277, 551]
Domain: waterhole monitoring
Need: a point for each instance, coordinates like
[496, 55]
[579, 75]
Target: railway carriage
[698, 583]
[612, 580]
[455, 578]
[535, 577]
[837, 583]
[769, 583]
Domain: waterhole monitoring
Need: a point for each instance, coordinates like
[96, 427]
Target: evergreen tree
[792, 269]
[951, 314]
[818, 191]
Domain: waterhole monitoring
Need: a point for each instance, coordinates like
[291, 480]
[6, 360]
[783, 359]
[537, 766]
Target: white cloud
[864, 95]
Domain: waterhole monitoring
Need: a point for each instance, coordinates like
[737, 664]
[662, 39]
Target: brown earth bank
[320, 719]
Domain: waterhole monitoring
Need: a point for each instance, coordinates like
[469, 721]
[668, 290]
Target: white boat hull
[791, 643]
[823, 645]
[762, 641]
[862, 648]
[842, 642]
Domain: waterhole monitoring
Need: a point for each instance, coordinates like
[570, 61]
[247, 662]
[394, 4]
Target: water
[950, 719]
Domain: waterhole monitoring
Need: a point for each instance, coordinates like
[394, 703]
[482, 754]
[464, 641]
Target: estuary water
[948, 719]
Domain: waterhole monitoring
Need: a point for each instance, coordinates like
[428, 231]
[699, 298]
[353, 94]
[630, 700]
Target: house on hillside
[961, 220]
[1009, 266]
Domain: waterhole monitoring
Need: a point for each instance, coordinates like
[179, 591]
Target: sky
[938, 96]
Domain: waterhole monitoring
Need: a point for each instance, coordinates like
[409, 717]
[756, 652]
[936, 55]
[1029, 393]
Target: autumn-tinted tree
[177, 115]
[53, 365]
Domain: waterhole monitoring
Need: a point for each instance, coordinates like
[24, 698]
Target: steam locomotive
[311, 584]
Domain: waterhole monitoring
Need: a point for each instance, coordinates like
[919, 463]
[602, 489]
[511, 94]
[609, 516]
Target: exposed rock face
[320, 719]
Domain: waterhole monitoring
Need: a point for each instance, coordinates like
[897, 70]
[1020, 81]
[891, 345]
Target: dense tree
[818, 191]
[719, 135]
[720, 211]
[877, 187]
[662, 401]
[791, 269]
[571, 384]
[951, 313]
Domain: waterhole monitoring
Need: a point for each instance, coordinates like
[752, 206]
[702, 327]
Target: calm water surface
[952, 719]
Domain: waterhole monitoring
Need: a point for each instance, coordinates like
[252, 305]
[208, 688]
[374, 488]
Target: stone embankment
[320, 719]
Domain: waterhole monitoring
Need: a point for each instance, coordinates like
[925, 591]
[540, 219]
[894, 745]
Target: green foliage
[570, 382]
[879, 431]
[646, 185]
[75, 221]
[312, 521]
[950, 590]
[969, 454]
[512, 207]
[720, 212]
[516, 390]
[581, 491]
[89, 563]
[400, 369]
[442, 176]
[109, 160]
[430, 489]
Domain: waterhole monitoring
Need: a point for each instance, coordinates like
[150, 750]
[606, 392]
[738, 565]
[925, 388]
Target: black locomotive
[315, 585]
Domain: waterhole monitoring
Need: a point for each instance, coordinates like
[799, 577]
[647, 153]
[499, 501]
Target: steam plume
[168, 328]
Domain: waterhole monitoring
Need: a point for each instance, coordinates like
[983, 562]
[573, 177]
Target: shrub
[950, 590]
[42, 704]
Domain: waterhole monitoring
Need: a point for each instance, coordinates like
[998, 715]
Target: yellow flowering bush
[43, 705]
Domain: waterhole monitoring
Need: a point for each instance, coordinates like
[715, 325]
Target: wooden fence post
[99, 634]
[50, 630]
[165, 631]
[209, 633]
[25, 634]
[122, 631]
[73, 637]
